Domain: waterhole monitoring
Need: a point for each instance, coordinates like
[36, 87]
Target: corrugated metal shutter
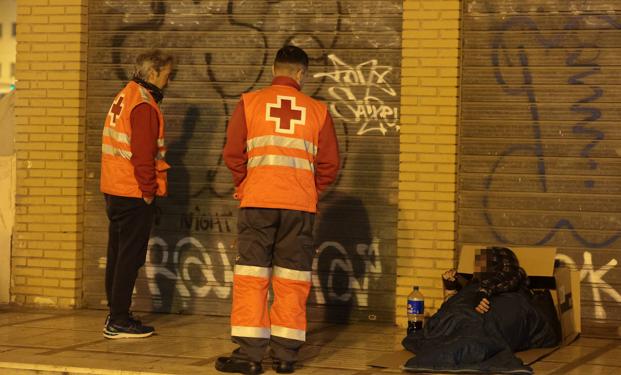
[539, 138]
[225, 48]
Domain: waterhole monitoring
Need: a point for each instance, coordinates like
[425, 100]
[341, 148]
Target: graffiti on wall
[354, 287]
[594, 276]
[180, 275]
[195, 261]
[546, 129]
[585, 59]
[362, 108]
[191, 253]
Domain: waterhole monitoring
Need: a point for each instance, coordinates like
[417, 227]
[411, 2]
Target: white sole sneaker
[125, 335]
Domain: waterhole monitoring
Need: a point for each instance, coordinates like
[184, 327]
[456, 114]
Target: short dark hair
[291, 55]
[153, 58]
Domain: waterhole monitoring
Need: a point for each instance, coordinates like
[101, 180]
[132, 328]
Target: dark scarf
[155, 91]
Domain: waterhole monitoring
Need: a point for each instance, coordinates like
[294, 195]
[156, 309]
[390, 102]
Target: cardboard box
[538, 262]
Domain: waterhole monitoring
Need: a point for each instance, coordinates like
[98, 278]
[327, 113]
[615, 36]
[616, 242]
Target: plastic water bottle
[416, 310]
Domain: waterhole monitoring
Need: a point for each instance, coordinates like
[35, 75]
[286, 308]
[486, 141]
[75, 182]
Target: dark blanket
[458, 339]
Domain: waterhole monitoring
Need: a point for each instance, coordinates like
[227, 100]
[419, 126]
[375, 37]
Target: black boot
[240, 366]
[283, 367]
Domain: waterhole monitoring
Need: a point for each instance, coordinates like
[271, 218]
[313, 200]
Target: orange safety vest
[117, 171]
[283, 131]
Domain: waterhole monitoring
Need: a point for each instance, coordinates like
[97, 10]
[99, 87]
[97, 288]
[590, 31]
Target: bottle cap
[415, 288]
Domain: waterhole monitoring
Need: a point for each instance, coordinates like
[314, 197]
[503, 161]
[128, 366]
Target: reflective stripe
[287, 273]
[253, 271]
[275, 140]
[281, 160]
[256, 332]
[289, 333]
[110, 150]
[124, 138]
[117, 136]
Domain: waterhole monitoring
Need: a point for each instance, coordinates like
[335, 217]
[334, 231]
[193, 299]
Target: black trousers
[131, 220]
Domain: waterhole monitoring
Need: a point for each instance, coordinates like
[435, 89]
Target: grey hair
[153, 58]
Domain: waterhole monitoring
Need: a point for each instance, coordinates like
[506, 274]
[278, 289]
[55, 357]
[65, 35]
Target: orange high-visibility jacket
[117, 171]
[283, 130]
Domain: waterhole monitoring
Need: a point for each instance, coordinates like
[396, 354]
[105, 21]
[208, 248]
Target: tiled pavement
[70, 342]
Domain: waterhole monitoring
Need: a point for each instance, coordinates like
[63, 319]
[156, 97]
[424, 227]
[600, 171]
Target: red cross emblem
[286, 114]
[115, 110]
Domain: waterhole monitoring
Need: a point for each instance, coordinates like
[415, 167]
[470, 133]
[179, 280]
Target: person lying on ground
[491, 317]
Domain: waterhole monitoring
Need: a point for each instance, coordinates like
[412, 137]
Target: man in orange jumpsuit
[282, 151]
[133, 173]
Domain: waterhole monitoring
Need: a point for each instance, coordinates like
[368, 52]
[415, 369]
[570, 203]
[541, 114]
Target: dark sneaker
[132, 318]
[240, 366]
[127, 330]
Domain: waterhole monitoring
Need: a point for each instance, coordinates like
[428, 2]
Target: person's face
[480, 261]
[160, 79]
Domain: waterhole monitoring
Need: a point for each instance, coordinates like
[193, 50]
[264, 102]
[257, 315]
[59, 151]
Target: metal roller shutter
[540, 141]
[225, 48]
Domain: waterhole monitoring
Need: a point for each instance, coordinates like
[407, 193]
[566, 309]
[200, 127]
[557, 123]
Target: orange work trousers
[274, 245]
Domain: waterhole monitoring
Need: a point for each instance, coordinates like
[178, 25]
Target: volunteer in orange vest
[133, 174]
[282, 151]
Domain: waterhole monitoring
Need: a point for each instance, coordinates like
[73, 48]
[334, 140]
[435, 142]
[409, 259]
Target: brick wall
[429, 94]
[50, 122]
